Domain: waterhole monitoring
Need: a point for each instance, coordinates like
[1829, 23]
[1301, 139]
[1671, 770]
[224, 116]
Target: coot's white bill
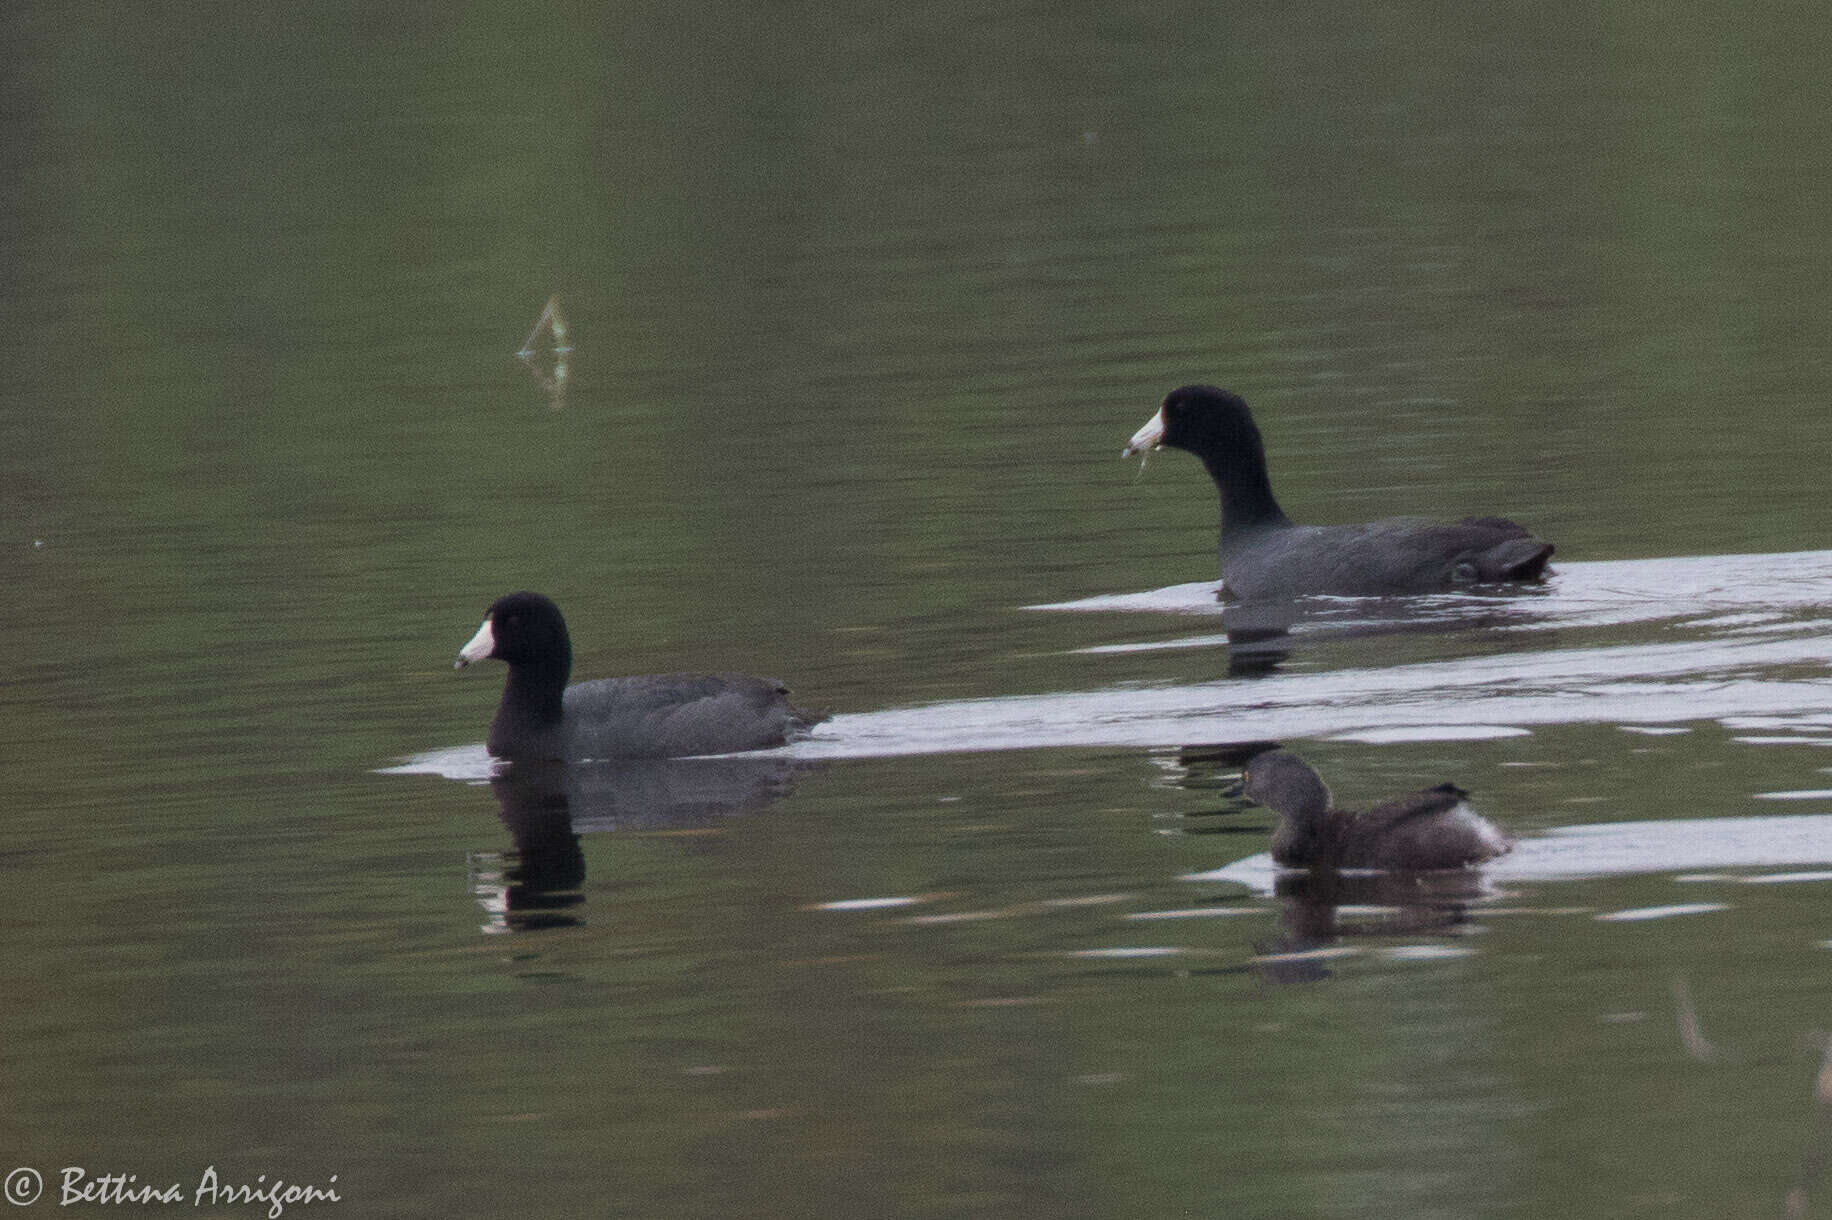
[1149, 437]
[482, 645]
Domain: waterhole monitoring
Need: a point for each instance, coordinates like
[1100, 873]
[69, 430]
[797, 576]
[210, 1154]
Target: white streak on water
[1730, 591]
[1707, 664]
[1638, 914]
[1494, 692]
[467, 764]
[1433, 732]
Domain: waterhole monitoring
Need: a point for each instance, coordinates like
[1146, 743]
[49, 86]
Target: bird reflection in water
[1262, 635]
[539, 882]
[1318, 908]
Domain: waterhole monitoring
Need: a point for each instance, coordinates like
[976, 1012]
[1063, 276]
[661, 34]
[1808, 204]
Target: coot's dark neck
[528, 719]
[1247, 502]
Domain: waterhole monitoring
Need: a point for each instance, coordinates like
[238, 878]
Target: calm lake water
[862, 306]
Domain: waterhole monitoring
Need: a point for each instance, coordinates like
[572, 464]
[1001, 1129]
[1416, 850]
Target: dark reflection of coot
[544, 872]
[546, 807]
[1263, 635]
[669, 793]
[1216, 768]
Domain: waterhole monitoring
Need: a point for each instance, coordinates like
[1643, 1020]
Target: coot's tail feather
[801, 722]
[1516, 559]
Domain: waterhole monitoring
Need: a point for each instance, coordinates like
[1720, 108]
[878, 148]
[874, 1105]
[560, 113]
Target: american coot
[654, 716]
[1431, 829]
[1266, 557]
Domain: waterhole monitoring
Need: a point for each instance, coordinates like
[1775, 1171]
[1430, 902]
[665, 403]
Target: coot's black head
[522, 629]
[1285, 783]
[1202, 419]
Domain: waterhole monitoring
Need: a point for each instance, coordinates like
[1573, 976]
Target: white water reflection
[1570, 853]
[1644, 914]
[470, 764]
[1432, 732]
[1747, 647]
[1749, 593]
[1488, 697]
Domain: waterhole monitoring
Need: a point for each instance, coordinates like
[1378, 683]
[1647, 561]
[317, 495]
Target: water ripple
[1748, 643]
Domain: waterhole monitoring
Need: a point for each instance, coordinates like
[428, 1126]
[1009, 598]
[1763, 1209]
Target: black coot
[1264, 556]
[653, 716]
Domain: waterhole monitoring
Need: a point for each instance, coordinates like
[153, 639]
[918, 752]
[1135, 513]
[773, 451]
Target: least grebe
[1430, 829]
